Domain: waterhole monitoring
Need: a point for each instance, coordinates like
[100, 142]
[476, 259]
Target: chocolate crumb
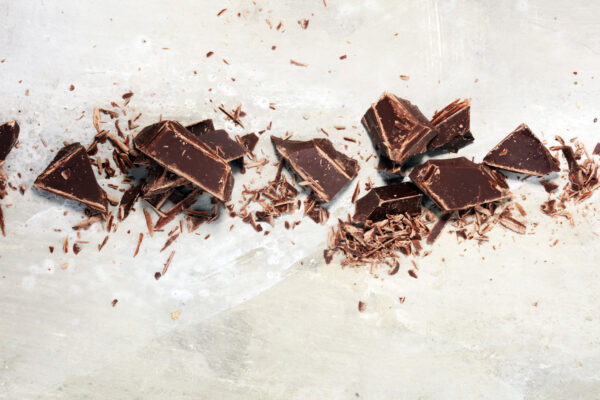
[362, 306]
[114, 302]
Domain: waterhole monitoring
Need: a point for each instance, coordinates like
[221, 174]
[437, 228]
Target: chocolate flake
[453, 124]
[438, 227]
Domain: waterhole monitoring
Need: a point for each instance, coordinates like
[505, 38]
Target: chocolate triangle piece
[128, 200]
[453, 124]
[388, 200]
[222, 145]
[70, 175]
[521, 151]
[323, 169]
[457, 183]
[9, 133]
[200, 128]
[398, 128]
[177, 149]
[159, 181]
[249, 141]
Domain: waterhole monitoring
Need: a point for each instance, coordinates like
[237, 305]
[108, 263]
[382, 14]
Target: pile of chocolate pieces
[181, 163]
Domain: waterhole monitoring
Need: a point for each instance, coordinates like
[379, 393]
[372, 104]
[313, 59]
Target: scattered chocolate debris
[362, 306]
[323, 169]
[297, 63]
[114, 302]
[457, 183]
[166, 267]
[139, 243]
[2, 227]
[521, 151]
[549, 186]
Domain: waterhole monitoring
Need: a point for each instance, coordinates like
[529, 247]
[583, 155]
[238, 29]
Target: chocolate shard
[388, 200]
[178, 150]
[521, 151]
[9, 133]
[453, 124]
[70, 175]
[128, 200]
[398, 128]
[159, 181]
[223, 146]
[457, 183]
[324, 169]
[249, 141]
[596, 151]
[200, 128]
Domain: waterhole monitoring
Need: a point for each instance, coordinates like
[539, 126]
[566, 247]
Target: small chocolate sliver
[457, 183]
[70, 175]
[222, 145]
[177, 149]
[521, 151]
[398, 128]
[388, 200]
[9, 133]
[324, 169]
[453, 124]
[438, 227]
[200, 128]
[549, 186]
[249, 141]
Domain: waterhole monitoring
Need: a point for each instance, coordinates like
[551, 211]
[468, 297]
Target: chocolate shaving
[438, 227]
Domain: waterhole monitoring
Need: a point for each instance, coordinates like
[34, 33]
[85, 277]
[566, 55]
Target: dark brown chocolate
[128, 200]
[453, 124]
[457, 183]
[596, 151]
[9, 134]
[177, 149]
[521, 151]
[249, 141]
[159, 181]
[388, 200]
[398, 128]
[70, 175]
[223, 146]
[201, 128]
[324, 169]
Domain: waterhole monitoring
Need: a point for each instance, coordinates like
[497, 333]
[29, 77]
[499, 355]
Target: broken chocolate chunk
[70, 175]
[222, 145]
[128, 200]
[453, 124]
[388, 200]
[9, 133]
[177, 149]
[398, 128]
[596, 151]
[249, 141]
[457, 183]
[324, 169]
[200, 128]
[521, 151]
[159, 181]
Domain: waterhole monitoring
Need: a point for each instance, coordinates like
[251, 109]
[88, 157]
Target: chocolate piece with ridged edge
[177, 149]
[388, 200]
[521, 151]
[70, 175]
[9, 133]
[398, 128]
[323, 169]
[453, 124]
[457, 183]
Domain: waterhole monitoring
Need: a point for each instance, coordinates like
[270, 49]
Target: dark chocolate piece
[388, 200]
[549, 186]
[453, 124]
[521, 151]
[70, 175]
[200, 128]
[438, 227]
[457, 183]
[324, 169]
[398, 128]
[159, 181]
[596, 151]
[249, 141]
[222, 145]
[177, 149]
[9, 133]
[128, 200]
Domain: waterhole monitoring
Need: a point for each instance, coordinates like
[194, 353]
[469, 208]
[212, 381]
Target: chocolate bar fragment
[453, 124]
[521, 151]
[159, 181]
[388, 200]
[200, 128]
[457, 183]
[128, 200]
[398, 128]
[223, 146]
[177, 149]
[70, 175]
[249, 141]
[324, 169]
[9, 133]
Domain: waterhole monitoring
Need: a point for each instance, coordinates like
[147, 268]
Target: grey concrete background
[262, 318]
